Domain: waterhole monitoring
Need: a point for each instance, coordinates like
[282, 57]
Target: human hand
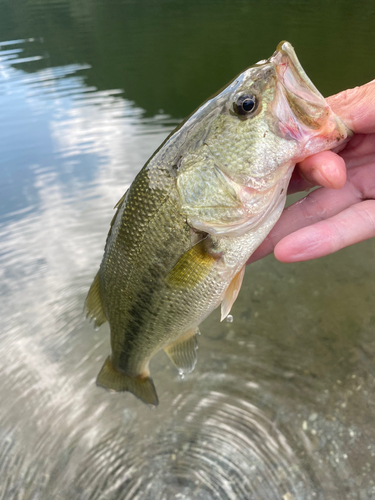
[342, 212]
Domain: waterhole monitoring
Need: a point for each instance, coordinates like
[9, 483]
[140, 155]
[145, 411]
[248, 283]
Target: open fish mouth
[299, 106]
[292, 75]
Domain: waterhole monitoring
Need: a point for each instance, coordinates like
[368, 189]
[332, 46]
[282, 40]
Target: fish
[206, 199]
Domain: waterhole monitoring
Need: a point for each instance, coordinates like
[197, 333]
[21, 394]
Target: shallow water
[281, 404]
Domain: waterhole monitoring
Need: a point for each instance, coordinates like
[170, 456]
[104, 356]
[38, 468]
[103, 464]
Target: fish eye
[246, 105]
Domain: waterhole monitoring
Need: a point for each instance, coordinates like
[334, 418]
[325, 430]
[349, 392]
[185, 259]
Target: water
[281, 402]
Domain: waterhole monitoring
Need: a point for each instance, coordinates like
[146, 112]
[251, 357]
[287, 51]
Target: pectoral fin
[183, 352]
[231, 293]
[192, 267]
[142, 387]
[93, 305]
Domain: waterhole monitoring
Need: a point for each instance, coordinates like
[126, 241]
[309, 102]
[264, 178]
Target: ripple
[222, 448]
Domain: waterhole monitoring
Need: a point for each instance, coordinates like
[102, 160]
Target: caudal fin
[142, 388]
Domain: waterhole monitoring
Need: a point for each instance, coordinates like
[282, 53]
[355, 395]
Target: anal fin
[231, 293]
[142, 387]
[183, 352]
[93, 304]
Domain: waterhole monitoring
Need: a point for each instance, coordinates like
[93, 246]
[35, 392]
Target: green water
[281, 404]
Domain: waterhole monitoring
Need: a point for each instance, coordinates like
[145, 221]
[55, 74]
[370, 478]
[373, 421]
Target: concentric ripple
[221, 448]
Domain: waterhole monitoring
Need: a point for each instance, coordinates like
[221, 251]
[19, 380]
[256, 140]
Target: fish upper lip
[292, 76]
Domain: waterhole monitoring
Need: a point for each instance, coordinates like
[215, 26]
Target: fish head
[245, 141]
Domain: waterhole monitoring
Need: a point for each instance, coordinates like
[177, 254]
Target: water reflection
[280, 404]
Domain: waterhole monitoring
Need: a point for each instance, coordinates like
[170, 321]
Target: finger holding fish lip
[355, 106]
[328, 169]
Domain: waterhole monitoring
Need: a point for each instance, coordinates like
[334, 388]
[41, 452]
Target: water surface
[281, 403]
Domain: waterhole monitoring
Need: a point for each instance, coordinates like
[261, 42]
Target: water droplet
[181, 373]
[229, 318]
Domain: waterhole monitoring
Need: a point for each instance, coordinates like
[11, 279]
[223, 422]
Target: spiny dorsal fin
[121, 199]
[231, 293]
[93, 304]
[117, 207]
[192, 267]
[142, 387]
[183, 352]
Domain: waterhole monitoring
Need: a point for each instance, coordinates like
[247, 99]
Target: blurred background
[281, 404]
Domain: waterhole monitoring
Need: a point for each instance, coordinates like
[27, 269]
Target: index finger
[319, 205]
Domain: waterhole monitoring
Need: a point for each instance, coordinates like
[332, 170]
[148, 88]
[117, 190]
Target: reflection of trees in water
[171, 55]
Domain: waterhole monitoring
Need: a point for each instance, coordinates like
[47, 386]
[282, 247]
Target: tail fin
[142, 388]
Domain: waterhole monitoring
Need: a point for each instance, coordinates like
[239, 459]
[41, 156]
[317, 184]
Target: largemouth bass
[198, 209]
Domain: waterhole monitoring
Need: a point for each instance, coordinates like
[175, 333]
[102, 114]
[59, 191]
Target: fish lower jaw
[334, 133]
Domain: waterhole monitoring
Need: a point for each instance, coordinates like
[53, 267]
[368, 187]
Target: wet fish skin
[195, 213]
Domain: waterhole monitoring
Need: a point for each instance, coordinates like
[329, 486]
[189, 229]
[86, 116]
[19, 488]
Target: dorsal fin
[121, 199]
[231, 293]
[93, 305]
[183, 352]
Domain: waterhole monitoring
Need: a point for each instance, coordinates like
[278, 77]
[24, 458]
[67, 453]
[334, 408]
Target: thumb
[356, 107]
